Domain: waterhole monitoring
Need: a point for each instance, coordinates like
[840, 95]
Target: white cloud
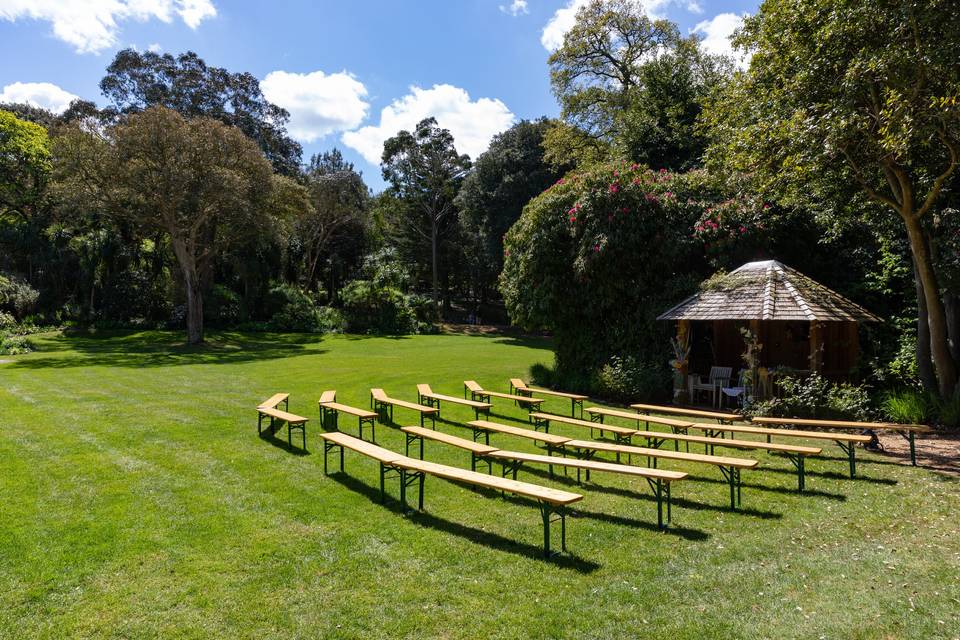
[39, 94]
[472, 123]
[92, 25]
[319, 104]
[564, 18]
[516, 8]
[155, 48]
[716, 34]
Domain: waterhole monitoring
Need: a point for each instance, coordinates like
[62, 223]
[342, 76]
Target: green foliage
[909, 406]
[223, 306]
[13, 344]
[299, 311]
[814, 396]
[599, 255]
[17, 296]
[629, 87]
[369, 308]
[24, 165]
[626, 379]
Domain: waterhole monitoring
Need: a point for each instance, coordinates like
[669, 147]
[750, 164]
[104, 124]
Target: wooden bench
[621, 434]
[730, 468]
[721, 417]
[845, 441]
[907, 431]
[796, 454]
[522, 388]
[478, 450]
[511, 461]
[485, 428]
[330, 410]
[384, 404]
[268, 409]
[553, 503]
[431, 399]
[479, 393]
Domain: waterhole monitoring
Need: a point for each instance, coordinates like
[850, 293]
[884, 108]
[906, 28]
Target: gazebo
[800, 324]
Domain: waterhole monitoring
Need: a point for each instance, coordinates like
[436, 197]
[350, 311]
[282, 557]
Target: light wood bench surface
[274, 400]
[386, 456]
[476, 391]
[725, 461]
[693, 413]
[486, 426]
[544, 419]
[330, 410]
[268, 408]
[576, 399]
[434, 400]
[382, 402]
[474, 447]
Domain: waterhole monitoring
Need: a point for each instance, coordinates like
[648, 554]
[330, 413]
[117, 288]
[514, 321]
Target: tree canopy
[24, 165]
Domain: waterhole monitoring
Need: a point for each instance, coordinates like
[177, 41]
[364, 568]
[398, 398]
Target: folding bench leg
[408, 478]
[656, 485]
[327, 447]
[798, 462]
[411, 439]
[848, 449]
[732, 476]
[546, 511]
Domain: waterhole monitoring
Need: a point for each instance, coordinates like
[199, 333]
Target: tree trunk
[952, 307]
[194, 289]
[946, 368]
[924, 362]
[434, 232]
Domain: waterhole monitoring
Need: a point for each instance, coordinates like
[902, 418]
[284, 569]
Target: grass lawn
[137, 501]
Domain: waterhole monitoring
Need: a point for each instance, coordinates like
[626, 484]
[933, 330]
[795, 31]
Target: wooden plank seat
[384, 404]
[553, 503]
[485, 428]
[621, 434]
[431, 399]
[330, 411]
[522, 388]
[719, 416]
[479, 393]
[796, 454]
[906, 431]
[511, 461]
[268, 409]
[729, 467]
[846, 441]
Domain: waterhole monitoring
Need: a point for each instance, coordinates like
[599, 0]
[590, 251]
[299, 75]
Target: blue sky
[351, 73]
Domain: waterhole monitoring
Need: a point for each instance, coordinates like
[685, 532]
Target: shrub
[299, 311]
[542, 375]
[368, 308]
[627, 379]
[912, 406]
[816, 397]
[12, 345]
[222, 306]
[948, 412]
[17, 296]
[7, 321]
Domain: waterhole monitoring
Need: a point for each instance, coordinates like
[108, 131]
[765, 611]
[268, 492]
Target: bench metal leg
[408, 478]
[848, 448]
[798, 462]
[732, 476]
[411, 438]
[327, 448]
[663, 495]
[550, 514]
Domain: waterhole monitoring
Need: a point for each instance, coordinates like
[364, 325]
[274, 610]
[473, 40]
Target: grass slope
[137, 501]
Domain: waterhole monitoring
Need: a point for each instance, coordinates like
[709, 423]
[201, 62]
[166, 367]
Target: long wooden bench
[796, 454]
[621, 434]
[431, 399]
[384, 404]
[553, 503]
[482, 395]
[729, 467]
[485, 428]
[846, 441]
[522, 388]
[268, 409]
[719, 416]
[906, 431]
[330, 411]
[511, 461]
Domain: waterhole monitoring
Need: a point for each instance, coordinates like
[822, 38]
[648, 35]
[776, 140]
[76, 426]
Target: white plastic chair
[719, 377]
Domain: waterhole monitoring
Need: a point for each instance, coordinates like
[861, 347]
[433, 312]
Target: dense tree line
[183, 200]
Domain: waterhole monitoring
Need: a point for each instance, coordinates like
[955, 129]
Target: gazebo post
[816, 346]
[683, 337]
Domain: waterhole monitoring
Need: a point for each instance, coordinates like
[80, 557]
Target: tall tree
[843, 93]
[505, 177]
[630, 87]
[24, 165]
[425, 171]
[139, 80]
[203, 184]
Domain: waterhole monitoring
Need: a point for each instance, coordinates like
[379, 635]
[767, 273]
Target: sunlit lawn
[136, 500]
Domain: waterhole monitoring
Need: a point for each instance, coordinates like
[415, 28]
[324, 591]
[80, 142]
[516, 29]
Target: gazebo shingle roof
[767, 290]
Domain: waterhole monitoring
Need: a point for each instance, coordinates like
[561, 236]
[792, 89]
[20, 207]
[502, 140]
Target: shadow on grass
[787, 491]
[164, 349]
[478, 536]
[835, 475]
[272, 439]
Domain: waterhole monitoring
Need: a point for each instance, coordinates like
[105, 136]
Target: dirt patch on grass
[938, 451]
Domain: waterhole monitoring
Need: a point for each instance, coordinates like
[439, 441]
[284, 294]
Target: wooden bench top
[273, 401]
[612, 428]
[362, 446]
[694, 413]
[292, 418]
[476, 447]
[736, 444]
[788, 433]
[381, 396]
[425, 391]
[520, 385]
[590, 465]
[720, 461]
[545, 494]
[843, 424]
[474, 387]
[530, 434]
[328, 396]
[345, 408]
[639, 417]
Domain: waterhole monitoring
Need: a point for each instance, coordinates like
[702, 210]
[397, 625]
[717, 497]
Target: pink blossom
[743, 229]
[614, 187]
